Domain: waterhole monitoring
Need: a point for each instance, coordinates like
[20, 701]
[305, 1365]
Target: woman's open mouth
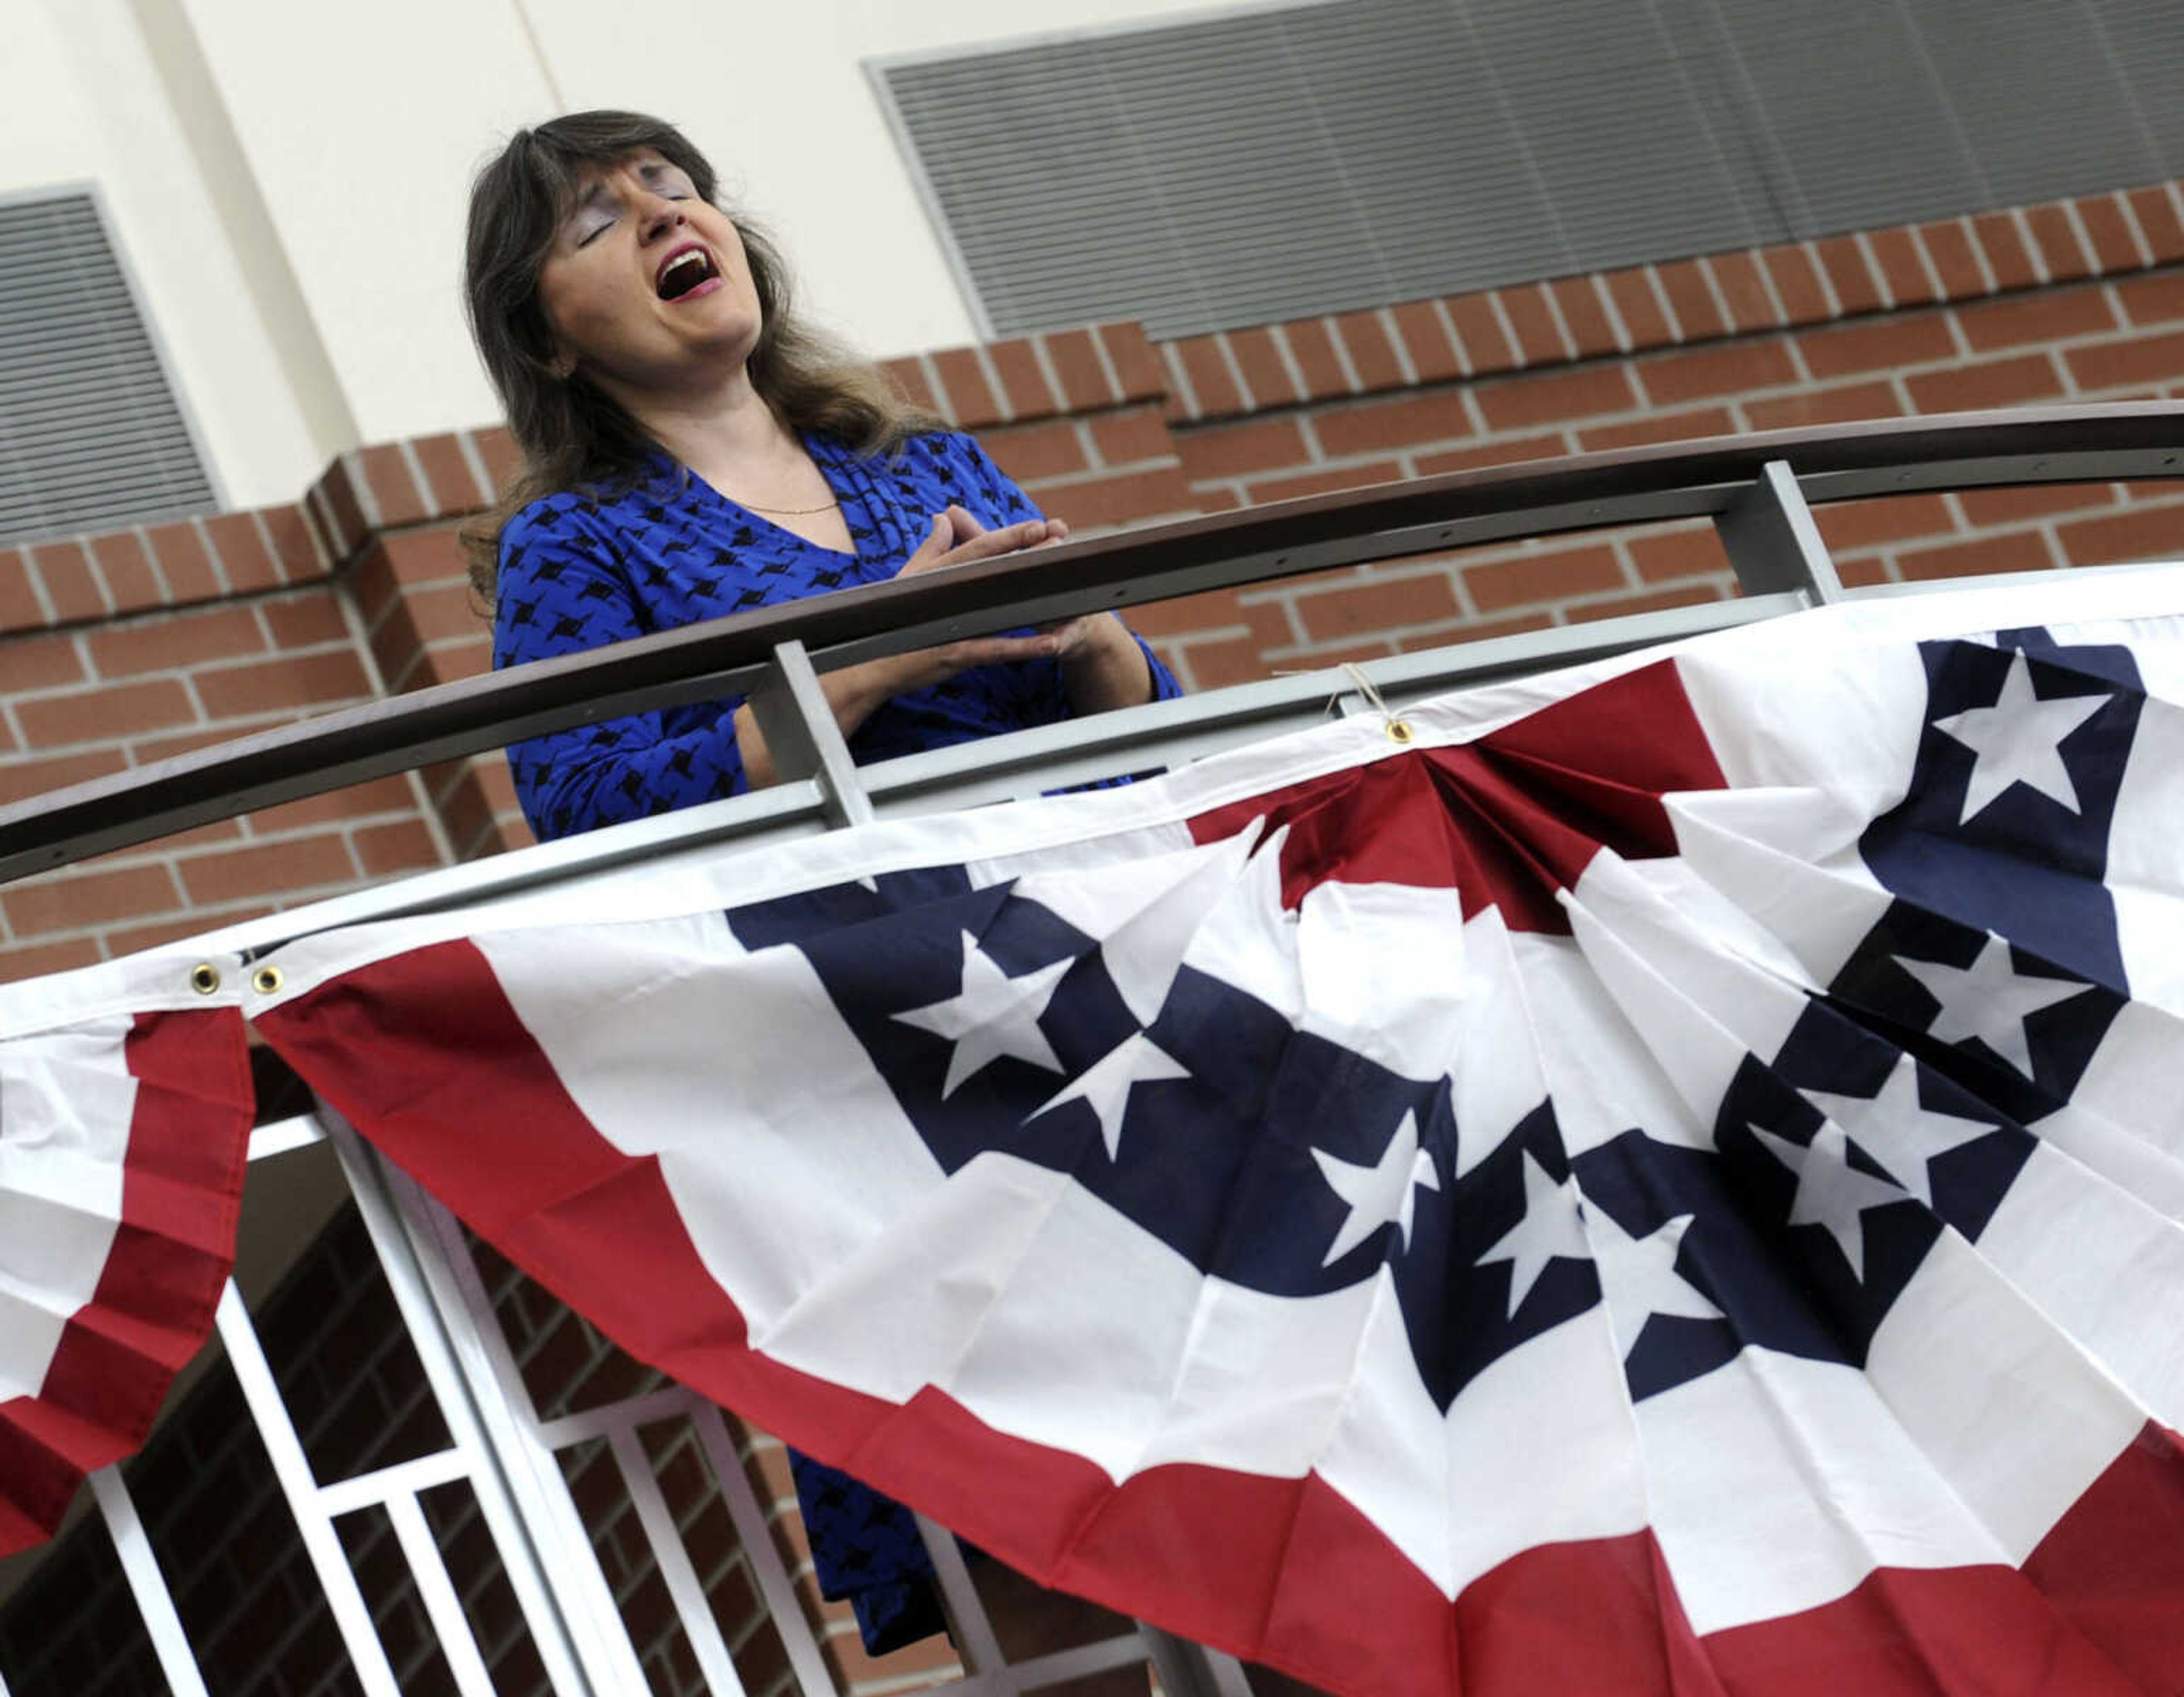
[686, 272]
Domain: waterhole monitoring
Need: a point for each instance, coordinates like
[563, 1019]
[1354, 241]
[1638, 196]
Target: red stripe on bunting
[2114, 1564]
[189, 1136]
[425, 1054]
[1507, 821]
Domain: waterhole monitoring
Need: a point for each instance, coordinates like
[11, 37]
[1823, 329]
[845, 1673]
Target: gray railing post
[1773, 542]
[1191, 1670]
[802, 736]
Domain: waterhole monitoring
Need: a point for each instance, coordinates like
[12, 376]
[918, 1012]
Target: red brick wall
[90, 699]
[116, 649]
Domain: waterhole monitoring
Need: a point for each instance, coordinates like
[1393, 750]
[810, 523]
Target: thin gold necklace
[794, 512]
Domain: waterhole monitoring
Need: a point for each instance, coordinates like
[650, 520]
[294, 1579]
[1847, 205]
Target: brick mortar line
[1715, 293]
[97, 575]
[1099, 474]
[167, 596]
[983, 351]
[93, 684]
[1992, 284]
[1233, 365]
[2021, 221]
[1117, 390]
[1500, 314]
[1386, 317]
[1181, 390]
[1044, 359]
[1930, 267]
[264, 534]
[427, 496]
[133, 617]
[1862, 241]
[474, 460]
[1650, 273]
[1465, 369]
[1343, 359]
[2088, 249]
[1080, 429]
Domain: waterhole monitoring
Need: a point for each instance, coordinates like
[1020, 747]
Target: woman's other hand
[956, 538]
[1101, 664]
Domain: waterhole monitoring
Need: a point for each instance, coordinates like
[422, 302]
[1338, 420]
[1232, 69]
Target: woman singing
[691, 450]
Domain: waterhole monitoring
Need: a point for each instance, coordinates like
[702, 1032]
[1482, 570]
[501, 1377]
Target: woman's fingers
[956, 538]
[1070, 634]
[990, 651]
[1009, 539]
[932, 551]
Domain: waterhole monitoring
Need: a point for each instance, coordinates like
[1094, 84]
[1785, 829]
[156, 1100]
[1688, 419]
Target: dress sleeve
[1046, 700]
[561, 591]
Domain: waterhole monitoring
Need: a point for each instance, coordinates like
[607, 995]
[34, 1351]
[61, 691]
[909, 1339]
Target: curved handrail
[728, 655]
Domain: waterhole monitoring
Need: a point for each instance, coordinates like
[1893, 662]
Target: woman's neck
[741, 448]
[728, 435]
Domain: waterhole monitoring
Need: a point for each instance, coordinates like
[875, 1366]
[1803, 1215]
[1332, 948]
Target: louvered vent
[91, 436]
[1281, 163]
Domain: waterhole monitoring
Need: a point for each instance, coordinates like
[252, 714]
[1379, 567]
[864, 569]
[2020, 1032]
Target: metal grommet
[1398, 730]
[267, 979]
[204, 977]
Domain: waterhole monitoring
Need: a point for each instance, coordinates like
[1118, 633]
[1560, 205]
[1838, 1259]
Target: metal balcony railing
[1756, 488]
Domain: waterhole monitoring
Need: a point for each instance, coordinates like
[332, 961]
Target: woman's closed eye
[600, 222]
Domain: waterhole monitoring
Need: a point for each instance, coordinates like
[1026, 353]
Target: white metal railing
[509, 1457]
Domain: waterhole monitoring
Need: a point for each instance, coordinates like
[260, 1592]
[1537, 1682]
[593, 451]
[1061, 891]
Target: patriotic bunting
[124, 1116]
[1664, 1178]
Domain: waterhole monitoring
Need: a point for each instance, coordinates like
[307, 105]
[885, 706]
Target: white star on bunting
[1387, 1190]
[1830, 1191]
[1551, 1227]
[2019, 740]
[1901, 1132]
[1105, 1084]
[994, 1015]
[1989, 1000]
[1638, 1276]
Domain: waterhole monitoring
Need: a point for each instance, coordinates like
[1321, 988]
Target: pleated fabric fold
[123, 1136]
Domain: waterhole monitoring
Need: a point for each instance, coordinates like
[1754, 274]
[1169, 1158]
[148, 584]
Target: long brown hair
[571, 434]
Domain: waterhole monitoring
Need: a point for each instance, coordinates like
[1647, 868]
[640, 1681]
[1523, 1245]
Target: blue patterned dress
[578, 571]
[670, 551]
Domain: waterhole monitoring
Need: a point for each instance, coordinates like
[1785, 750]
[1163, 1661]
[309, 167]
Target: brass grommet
[1398, 730]
[267, 979]
[204, 977]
